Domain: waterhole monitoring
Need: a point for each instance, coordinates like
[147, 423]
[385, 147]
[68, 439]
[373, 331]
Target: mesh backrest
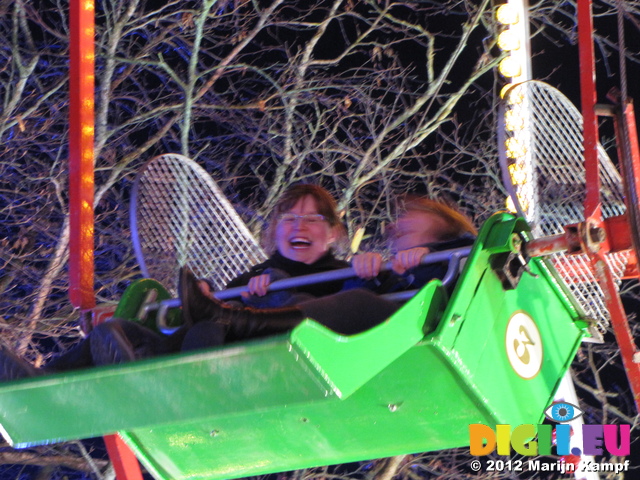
[542, 149]
[179, 216]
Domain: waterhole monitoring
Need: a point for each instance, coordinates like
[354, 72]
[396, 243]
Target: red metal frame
[593, 217]
[81, 126]
[588, 99]
[625, 126]
[124, 461]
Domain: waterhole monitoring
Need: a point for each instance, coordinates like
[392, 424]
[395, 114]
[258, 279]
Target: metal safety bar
[453, 257]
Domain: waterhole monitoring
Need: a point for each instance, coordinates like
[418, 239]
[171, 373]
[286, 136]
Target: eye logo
[562, 412]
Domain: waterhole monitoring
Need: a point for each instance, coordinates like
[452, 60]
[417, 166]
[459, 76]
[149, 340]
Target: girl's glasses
[309, 219]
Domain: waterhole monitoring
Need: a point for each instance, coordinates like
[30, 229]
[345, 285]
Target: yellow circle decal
[524, 345]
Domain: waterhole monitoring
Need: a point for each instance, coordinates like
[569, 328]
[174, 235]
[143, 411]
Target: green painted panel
[170, 389]
[480, 348]
[417, 405]
[317, 398]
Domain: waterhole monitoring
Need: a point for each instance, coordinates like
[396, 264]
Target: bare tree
[369, 98]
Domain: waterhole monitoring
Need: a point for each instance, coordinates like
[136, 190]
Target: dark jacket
[278, 267]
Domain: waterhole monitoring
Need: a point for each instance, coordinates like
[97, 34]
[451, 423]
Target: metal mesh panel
[542, 134]
[179, 216]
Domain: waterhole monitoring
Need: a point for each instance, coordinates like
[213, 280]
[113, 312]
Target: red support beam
[631, 130]
[81, 128]
[629, 155]
[592, 210]
[588, 100]
[619, 323]
[124, 461]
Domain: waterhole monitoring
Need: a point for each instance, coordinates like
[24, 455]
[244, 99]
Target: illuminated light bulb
[513, 120]
[508, 40]
[524, 202]
[504, 91]
[516, 96]
[510, 67]
[507, 14]
[515, 148]
[518, 174]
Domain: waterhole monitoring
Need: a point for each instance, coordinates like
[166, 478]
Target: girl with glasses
[304, 227]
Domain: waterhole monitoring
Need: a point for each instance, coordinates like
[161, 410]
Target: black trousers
[347, 313]
[146, 343]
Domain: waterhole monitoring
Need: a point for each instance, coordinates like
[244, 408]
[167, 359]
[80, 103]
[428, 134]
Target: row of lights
[513, 40]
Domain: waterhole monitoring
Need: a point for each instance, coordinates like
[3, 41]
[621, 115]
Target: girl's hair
[457, 223]
[325, 203]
